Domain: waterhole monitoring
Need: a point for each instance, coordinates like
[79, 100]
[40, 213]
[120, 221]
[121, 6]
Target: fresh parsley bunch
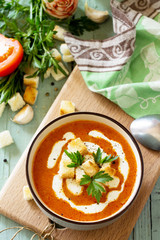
[29, 25]
[33, 28]
[77, 26]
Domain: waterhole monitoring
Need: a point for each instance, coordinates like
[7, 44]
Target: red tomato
[11, 54]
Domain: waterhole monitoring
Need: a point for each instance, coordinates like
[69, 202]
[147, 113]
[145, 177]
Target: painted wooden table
[148, 224]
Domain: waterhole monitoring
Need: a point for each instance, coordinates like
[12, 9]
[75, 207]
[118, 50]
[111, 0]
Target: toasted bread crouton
[105, 165]
[2, 107]
[66, 107]
[77, 145]
[59, 35]
[56, 54]
[88, 157]
[79, 174]
[90, 168]
[32, 82]
[30, 95]
[5, 139]
[109, 170]
[27, 193]
[64, 171]
[73, 186]
[58, 75]
[16, 102]
[113, 183]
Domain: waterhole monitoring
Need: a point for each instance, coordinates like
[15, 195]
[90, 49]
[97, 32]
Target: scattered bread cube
[56, 54]
[16, 102]
[79, 174]
[5, 139]
[59, 35]
[67, 107]
[27, 193]
[24, 116]
[73, 186]
[32, 82]
[77, 145]
[59, 75]
[90, 168]
[30, 95]
[64, 171]
[113, 183]
[47, 73]
[109, 170]
[2, 107]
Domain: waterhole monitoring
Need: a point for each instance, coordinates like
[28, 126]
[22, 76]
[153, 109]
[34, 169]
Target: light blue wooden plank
[142, 230]
[8, 234]
[155, 211]
[131, 237]
[106, 26]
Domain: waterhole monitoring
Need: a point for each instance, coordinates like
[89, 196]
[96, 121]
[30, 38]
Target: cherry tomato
[11, 54]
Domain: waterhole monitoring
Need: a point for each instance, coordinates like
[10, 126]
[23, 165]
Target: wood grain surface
[28, 214]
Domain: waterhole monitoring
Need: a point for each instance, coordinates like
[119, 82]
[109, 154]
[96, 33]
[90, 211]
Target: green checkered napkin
[126, 67]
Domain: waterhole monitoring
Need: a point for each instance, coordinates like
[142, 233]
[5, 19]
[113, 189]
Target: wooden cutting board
[12, 204]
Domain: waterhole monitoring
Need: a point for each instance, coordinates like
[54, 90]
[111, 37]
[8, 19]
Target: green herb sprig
[33, 28]
[76, 157]
[77, 26]
[29, 26]
[99, 160]
[94, 188]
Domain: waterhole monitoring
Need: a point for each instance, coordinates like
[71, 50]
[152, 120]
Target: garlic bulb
[95, 15]
[24, 116]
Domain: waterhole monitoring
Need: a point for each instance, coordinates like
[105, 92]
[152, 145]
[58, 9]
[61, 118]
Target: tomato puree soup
[84, 170]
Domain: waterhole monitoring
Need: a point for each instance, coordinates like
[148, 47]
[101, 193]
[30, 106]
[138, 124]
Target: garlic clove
[24, 116]
[68, 58]
[64, 49]
[95, 15]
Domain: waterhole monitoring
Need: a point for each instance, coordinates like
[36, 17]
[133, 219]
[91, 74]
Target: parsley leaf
[77, 26]
[76, 157]
[109, 158]
[102, 177]
[94, 188]
[97, 156]
[99, 160]
[85, 180]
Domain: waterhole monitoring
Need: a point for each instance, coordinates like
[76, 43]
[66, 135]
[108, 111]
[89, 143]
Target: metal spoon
[147, 131]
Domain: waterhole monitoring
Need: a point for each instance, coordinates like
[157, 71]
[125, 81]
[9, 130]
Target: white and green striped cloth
[126, 67]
